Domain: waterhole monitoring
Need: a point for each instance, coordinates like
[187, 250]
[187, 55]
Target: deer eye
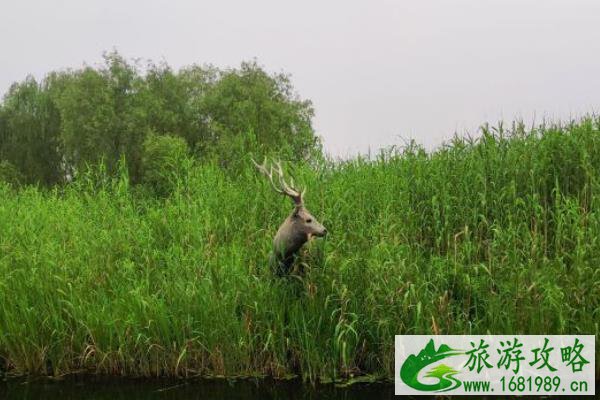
[308, 221]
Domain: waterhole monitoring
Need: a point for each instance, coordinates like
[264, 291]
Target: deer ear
[296, 212]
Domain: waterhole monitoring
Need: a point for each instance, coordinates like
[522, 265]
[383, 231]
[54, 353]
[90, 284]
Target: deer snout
[321, 233]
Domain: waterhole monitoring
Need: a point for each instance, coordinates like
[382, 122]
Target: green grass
[498, 235]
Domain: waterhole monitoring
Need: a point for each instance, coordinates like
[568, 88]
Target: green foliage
[249, 100]
[102, 119]
[495, 235]
[29, 132]
[165, 163]
[173, 102]
[10, 174]
[55, 130]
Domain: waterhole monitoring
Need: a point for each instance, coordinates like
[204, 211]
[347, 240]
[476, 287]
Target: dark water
[115, 389]
[178, 390]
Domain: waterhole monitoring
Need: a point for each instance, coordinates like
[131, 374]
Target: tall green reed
[497, 234]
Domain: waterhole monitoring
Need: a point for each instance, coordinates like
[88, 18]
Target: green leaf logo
[411, 367]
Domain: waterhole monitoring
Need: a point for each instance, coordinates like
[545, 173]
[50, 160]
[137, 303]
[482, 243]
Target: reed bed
[499, 234]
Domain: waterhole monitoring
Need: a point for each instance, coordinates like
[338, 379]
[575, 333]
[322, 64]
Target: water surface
[179, 390]
[127, 389]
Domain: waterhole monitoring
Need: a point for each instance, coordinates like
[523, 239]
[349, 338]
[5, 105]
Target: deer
[297, 229]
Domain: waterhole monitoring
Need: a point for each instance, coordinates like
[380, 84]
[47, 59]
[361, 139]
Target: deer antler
[283, 188]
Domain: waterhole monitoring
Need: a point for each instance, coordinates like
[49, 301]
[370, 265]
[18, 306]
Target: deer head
[299, 227]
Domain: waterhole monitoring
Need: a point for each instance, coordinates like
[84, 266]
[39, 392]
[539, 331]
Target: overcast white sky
[376, 70]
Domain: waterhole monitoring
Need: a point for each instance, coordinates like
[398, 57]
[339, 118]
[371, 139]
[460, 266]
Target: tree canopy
[53, 129]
